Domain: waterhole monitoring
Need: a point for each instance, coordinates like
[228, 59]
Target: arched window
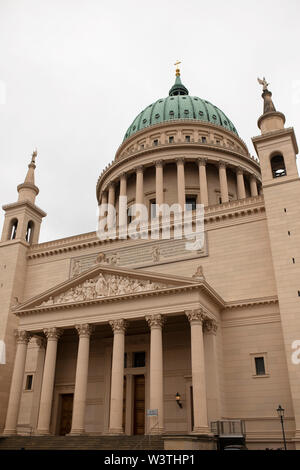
[29, 231]
[13, 229]
[278, 166]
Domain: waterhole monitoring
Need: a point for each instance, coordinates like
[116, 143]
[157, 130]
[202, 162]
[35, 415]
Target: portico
[121, 350]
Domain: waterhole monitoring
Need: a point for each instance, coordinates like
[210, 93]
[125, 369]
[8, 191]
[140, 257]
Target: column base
[201, 431]
[42, 432]
[77, 432]
[9, 432]
[116, 432]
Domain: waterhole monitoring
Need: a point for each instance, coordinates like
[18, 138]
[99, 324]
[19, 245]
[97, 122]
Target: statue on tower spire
[267, 96]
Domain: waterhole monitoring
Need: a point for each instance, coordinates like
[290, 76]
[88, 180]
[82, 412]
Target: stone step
[82, 442]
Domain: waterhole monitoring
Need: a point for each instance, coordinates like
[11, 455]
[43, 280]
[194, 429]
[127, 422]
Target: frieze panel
[139, 255]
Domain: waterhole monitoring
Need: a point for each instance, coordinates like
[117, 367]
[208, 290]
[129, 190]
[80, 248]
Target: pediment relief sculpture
[104, 285]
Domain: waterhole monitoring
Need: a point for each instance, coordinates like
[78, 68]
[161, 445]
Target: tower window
[260, 366]
[278, 166]
[13, 229]
[29, 231]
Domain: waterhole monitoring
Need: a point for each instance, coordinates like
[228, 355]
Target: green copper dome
[177, 106]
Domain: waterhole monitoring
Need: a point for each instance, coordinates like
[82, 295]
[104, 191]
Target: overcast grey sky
[75, 73]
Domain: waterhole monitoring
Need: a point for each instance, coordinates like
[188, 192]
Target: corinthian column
[117, 377]
[240, 183]
[196, 319]
[210, 328]
[223, 182]
[139, 189]
[253, 186]
[53, 335]
[111, 205]
[17, 383]
[155, 323]
[159, 185]
[123, 202]
[84, 332]
[181, 183]
[203, 181]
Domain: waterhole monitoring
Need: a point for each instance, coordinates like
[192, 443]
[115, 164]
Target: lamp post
[280, 412]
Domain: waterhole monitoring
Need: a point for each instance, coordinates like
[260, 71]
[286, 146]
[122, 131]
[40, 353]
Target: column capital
[180, 160]
[111, 185]
[159, 163]
[22, 336]
[202, 161]
[155, 321]
[53, 333]
[85, 330]
[123, 175]
[119, 326]
[239, 170]
[196, 316]
[222, 164]
[139, 169]
[253, 176]
[210, 326]
[40, 342]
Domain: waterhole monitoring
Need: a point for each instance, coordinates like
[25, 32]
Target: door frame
[59, 390]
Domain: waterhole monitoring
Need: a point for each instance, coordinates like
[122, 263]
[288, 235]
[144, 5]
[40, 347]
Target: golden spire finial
[177, 68]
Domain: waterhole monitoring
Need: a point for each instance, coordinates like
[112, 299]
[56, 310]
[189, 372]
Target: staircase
[81, 443]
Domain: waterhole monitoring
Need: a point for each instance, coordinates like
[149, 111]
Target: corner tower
[21, 229]
[277, 148]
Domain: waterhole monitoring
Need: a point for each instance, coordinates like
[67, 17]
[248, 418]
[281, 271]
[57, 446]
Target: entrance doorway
[139, 405]
[66, 413]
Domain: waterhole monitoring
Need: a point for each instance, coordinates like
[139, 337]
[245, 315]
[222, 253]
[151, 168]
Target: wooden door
[66, 413]
[139, 405]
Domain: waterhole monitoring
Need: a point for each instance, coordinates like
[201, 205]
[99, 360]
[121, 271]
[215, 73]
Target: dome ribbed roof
[179, 105]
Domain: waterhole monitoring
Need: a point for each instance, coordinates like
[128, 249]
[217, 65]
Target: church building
[142, 336]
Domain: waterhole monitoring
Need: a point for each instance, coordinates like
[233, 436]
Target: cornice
[251, 302]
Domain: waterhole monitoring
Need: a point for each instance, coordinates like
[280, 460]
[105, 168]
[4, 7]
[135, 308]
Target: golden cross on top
[177, 68]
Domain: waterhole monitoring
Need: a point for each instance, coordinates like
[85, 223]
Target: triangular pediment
[103, 282]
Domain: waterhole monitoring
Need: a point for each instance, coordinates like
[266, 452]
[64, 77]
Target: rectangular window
[155, 142]
[171, 139]
[28, 384]
[139, 359]
[204, 140]
[260, 366]
[153, 208]
[187, 138]
[191, 202]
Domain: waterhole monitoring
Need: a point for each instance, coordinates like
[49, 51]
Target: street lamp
[280, 412]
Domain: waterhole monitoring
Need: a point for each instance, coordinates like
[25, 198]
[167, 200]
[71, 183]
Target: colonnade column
[104, 197]
[203, 181]
[139, 190]
[210, 328]
[159, 182]
[196, 319]
[16, 383]
[123, 201]
[111, 204]
[180, 183]
[82, 367]
[156, 423]
[223, 182]
[117, 377]
[253, 186]
[240, 183]
[53, 335]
